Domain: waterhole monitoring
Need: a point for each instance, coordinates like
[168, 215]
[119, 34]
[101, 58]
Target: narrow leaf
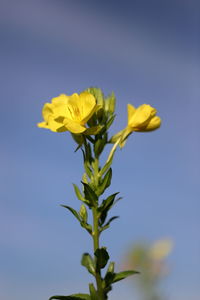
[87, 169]
[105, 182]
[108, 202]
[105, 207]
[90, 194]
[73, 211]
[78, 193]
[123, 275]
[107, 225]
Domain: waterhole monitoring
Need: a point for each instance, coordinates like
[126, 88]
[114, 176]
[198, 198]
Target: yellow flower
[142, 118]
[69, 113]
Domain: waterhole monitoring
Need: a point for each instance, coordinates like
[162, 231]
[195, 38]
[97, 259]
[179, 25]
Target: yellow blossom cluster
[71, 113]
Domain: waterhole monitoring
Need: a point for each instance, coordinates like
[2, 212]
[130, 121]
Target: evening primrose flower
[140, 119]
[69, 113]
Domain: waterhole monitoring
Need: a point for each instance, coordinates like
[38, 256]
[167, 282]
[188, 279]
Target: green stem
[96, 232]
[113, 150]
[96, 246]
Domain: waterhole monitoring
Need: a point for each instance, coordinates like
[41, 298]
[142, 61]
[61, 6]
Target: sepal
[93, 130]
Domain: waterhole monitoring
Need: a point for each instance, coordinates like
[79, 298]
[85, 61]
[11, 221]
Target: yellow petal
[42, 125]
[154, 123]
[73, 127]
[72, 109]
[81, 107]
[53, 125]
[47, 111]
[59, 105]
[131, 111]
[87, 106]
[142, 116]
[60, 100]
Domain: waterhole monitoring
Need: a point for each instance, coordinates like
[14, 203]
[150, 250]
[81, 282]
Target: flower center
[74, 113]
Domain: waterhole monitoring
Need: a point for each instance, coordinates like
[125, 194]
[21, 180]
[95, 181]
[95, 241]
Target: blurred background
[144, 51]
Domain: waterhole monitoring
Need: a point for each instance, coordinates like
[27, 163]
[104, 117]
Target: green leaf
[87, 168]
[105, 207]
[83, 223]
[102, 257]
[73, 211]
[88, 262]
[105, 182]
[72, 297]
[108, 202]
[78, 193]
[90, 194]
[123, 275]
[107, 225]
[93, 292]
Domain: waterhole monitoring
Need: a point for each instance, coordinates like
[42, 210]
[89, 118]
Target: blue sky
[145, 53]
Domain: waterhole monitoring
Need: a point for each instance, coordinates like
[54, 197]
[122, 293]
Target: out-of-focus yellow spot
[161, 249]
